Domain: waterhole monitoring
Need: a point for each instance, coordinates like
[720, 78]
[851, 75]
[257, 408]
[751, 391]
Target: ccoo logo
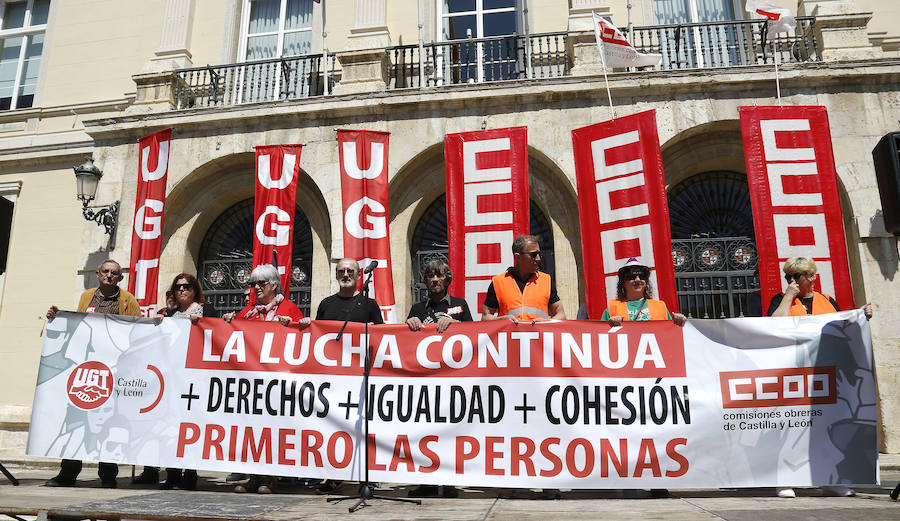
[90, 385]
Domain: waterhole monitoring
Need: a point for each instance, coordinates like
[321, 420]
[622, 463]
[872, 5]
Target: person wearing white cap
[633, 298]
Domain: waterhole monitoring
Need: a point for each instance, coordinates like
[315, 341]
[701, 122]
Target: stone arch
[201, 196]
[422, 180]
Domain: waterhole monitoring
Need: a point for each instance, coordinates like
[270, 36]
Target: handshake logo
[90, 385]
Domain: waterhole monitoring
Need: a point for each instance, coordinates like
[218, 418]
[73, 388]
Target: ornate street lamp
[87, 176]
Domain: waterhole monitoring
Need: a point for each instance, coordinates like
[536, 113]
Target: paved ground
[215, 501]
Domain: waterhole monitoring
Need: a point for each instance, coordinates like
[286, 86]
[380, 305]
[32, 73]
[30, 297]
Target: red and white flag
[622, 206]
[616, 50]
[487, 206]
[364, 193]
[146, 234]
[793, 191]
[780, 19]
[277, 169]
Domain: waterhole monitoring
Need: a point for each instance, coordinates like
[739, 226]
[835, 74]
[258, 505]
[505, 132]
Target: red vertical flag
[363, 156]
[146, 234]
[793, 190]
[277, 169]
[622, 207]
[487, 206]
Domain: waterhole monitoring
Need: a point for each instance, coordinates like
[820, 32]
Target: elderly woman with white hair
[271, 305]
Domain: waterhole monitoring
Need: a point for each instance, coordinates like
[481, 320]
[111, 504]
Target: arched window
[714, 246]
[226, 255]
[429, 240]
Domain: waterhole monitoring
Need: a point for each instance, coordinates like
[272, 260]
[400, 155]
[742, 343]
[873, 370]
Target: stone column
[174, 41]
[370, 26]
[364, 65]
[583, 53]
[840, 29]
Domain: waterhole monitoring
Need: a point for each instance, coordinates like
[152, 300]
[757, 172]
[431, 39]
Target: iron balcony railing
[726, 44]
[478, 60]
[252, 82]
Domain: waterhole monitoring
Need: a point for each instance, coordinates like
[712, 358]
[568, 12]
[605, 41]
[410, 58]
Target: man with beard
[441, 309]
[346, 304]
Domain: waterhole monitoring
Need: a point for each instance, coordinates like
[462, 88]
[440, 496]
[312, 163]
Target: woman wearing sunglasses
[634, 298]
[799, 298]
[184, 299]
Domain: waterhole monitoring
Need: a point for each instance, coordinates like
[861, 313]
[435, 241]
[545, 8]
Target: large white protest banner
[744, 402]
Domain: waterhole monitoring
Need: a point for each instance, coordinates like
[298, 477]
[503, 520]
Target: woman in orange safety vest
[799, 298]
[633, 300]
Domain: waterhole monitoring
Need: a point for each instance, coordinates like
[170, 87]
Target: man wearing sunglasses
[107, 298]
[522, 292]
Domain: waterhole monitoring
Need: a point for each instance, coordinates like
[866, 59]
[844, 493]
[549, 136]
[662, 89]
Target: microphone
[371, 267]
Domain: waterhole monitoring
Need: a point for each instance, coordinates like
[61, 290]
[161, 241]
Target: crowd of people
[520, 294]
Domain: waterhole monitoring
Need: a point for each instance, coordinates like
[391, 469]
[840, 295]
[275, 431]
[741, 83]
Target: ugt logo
[90, 385]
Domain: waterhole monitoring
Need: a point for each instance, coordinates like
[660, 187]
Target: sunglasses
[636, 274]
[348, 271]
[793, 276]
[183, 287]
[532, 254]
[260, 283]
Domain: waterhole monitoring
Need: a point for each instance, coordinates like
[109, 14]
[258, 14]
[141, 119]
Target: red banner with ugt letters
[364, 194]
[793, 190]
[146, 234]
[487, 206]
[277, 169]
[622, 206]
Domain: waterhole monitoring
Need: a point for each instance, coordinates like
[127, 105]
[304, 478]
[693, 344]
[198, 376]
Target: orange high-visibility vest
[658, 311]
[533, 302]
[821, 305]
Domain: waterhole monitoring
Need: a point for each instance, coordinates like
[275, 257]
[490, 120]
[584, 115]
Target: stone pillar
[370, 26]
[155, 92]
[840, 29]
[174, 41]
[582, 44]
[364, 65]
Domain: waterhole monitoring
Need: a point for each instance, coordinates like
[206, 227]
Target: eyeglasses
[183, 287]
[110, 272]
[348, 271]
[636, 274]
[793, 276]
[260, 283]
[532, 254]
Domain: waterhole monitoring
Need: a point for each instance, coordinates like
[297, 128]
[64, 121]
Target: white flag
[780, 19]
[616, 50]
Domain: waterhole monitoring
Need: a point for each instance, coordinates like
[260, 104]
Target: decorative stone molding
[840, 29]
[580, 18]
[584, 58]
[362, 71]
[174, 40]
[370, 26]
[155, 92]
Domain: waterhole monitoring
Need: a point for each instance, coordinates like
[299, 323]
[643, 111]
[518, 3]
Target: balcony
[478, 60]
[725, 44]
[706, 45]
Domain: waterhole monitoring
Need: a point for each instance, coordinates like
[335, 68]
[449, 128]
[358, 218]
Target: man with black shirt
[345, 304]
[439, 308]
[522, 293]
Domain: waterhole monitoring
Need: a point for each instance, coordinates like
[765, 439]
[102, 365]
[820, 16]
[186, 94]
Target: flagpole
[602, 49]
[324, 48]
[777, 82]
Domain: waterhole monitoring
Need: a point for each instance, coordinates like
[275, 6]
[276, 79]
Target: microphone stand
[366, 489]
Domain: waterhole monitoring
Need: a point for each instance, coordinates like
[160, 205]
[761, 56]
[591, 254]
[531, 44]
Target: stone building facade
[97, 92]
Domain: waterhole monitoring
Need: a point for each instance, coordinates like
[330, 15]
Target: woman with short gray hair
[270, 305]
